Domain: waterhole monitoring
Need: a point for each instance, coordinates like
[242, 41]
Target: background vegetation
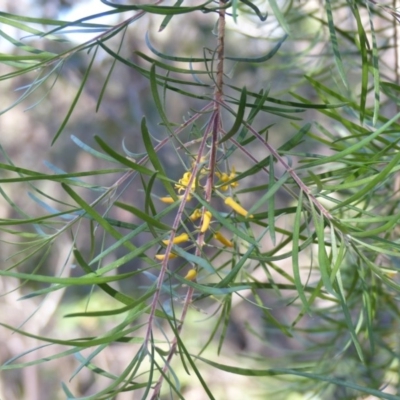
[200, 200]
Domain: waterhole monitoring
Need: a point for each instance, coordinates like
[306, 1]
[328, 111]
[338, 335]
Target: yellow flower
[191, 274]
[170, 200]
[196, 214]
[206, 221]
[232, 175]
[184, 237]
[184, 182]
[226, 242]
[237, 207]
[167, 199]
[224, 177]
[161, 257]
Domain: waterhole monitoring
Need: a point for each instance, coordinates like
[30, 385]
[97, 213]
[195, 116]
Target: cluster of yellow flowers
[224, 177]
[223, 185]
[183, 183]
[181, 186]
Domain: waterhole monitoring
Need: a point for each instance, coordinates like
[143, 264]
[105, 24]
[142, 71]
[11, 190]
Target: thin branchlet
[214, 128]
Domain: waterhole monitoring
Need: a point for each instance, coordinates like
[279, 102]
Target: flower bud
[161, 257]
[184, 237]
[196, 214]
[206, 221]
[220, 237]
[237, 207]
[191, 275]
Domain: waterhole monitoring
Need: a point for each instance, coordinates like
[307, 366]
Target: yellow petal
[184, 182]
[191, 275]
[226, 242]
[170, 200]
[167, 199]
[196, 214]
[237, 207]
[161, 257]
[224, 177]
[184, 237]
[206, 221]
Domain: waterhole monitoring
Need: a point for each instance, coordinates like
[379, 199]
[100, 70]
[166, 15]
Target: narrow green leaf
[156, 98]
[171, 57]
[255, 9]
[212, 290]
[378, 179]
[275, 322]
[168, 18]
[353, 148]
[229, 279]
[348, 319]
[103, 313]
[85, 362]
[279, 15]
[235, 9]
[226, 313]
[323, 260]
[299, 372]
[54, 22]
[154, 159]
[260, 59]
[334, 42]
[11, 21]
[295, 254]
[78, 95]
[239, 117]
[195, 260]
[124, 160]
[168, 67]
[94, 279]
[103, 89]
[375, 65]
[305, 104]
[364, 60]
[114, 337]
[67, 391]
[91, 212]
[192, 364]
[161, 10]
[122, 298]
[92, 151]
[148, 204]
[143, 216]
[40, 54]
[273, 188]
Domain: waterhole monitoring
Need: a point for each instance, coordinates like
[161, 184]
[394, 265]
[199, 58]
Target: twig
[214, 128]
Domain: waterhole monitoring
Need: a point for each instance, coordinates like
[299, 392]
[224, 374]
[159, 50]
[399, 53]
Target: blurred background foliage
[260, 330]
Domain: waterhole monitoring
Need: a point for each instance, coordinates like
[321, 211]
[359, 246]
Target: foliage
[287, 204]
